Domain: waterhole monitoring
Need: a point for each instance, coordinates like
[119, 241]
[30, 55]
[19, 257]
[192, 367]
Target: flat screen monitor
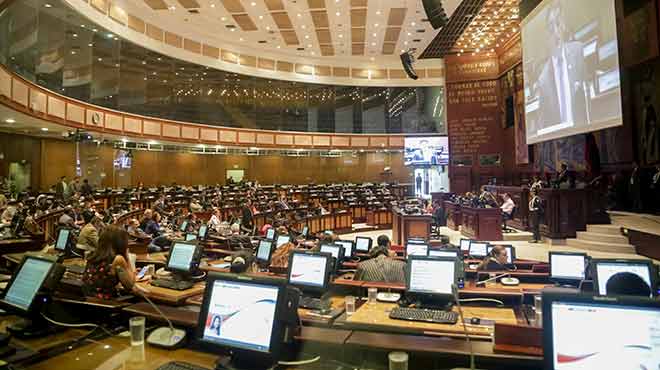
[203, 230]
[264, 251]
[510, 252]
[243, 314]
[348, 247]
[431, 275]
[595, 333]
[270, 234]
[426, 151]
[309, 270]
[417, 249]
[444, 252]
[465, 245]
[182, 257]
[333, 249]
[25, 283]
[566, 266]
[305, 232]
[282, 239]
[363, 244]
[62, 241]
[191, 237]
[478, 249]
[416, 241]
[184, 226]
[572, 83]
[604, 269]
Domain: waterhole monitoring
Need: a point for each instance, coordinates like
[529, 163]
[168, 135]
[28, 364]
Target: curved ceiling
[364, 34]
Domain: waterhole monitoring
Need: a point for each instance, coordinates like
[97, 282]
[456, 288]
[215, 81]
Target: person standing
[535, 212]
[74, 186]
[418, 183]
[61, 190]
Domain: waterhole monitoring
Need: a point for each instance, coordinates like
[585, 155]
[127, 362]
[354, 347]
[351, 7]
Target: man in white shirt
[507, 207]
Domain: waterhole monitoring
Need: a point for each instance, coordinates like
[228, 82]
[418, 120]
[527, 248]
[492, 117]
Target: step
[603, 238]
[518, 236]
[605, 229]
[588, 245]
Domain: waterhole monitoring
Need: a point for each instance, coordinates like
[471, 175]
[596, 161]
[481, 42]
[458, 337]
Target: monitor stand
[435, 304]
[244, 362]
[34, 327]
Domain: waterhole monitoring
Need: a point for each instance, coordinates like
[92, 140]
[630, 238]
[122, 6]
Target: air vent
[230, 26]
[420, 31]
[300, 49]
[262, 41]
[193, 11]
[417, 40]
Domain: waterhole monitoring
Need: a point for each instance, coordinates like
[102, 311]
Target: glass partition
[60, 50]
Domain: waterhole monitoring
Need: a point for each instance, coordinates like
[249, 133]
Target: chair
[508, 217]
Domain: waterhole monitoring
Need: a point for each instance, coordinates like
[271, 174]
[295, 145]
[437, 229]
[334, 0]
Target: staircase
[602, 238]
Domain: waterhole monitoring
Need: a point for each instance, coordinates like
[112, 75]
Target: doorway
[235, 175]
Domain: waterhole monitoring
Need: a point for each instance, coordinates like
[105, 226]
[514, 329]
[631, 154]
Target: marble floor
[524, 249]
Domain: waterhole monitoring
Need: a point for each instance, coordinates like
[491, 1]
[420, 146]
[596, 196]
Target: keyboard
[76, 269]
[310, 303]
[425, 315]
[172, 284]
[175, 365]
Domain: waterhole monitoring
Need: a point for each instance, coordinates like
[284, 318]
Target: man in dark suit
[562, 98]
[61, 188]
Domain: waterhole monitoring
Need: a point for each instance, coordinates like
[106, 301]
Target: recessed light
[278, 46]
[261, 17]
[73, 52]
[240, 39]
[313, 53]
[268, 28]
[233, 29]
[10, 120]
[253, 3]
[44, 129]
[223, 19]
[100, 59]
[306, 36]
[75, 35]
[372, 59]
[95, 30]
[172, 7]
[341, 36]
[299, 15]
[212, 5]
[47, 5]
[303, 26]
[375, 24]
[377, 12]
[373, 44]
[110, 35]
[338, 14]
[90, 44]
[144, 62]
[309, 45]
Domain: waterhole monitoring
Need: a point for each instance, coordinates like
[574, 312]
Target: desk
[520, 196]
[171, 296]
[409, 226]
[482, 223]
[20, 245]
[375, 317]
[380, 218]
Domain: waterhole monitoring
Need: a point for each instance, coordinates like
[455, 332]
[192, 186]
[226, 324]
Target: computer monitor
[270, 234]
[191, 237]
[335, 250]
[203, 231]
[567, 267]
[604, 269]
[431, 277]
[414, 249]
[445, 252]
[510, 252]
[62, 241]
[593, 332]
[184, 258]
[310, 271]
[465, 245]
[264, 251]
[305, 232]
[25, 284]
[349, 251]
[245, 315]
[184, 226]
[416, 241]
[363, 244]
[282, 239]
[478, 249]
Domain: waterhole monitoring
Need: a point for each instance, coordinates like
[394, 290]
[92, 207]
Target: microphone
[166, 337]
[454, 291]
[493, 278]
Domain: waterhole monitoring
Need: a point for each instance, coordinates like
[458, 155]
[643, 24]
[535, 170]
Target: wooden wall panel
[75, 113]
[57, 108]
[58, 159]
[5, 83]
[20, 92]
[18, 148]
[37, 101]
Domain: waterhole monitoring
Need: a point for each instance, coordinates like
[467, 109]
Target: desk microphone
[454, 291]
[165, 337]
[491, 279]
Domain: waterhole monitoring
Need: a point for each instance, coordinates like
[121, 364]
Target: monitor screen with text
[241, 315]
[478, 249]
[606, 269]
[348, 247]
[597, 336]
[282, 239]
[571, 68]
[431, 276]
[62, 239]
[567, 266]
[413, 249]
[263, 251]
[362, 244]
[308, 270]
[181, 257]
[27, 282]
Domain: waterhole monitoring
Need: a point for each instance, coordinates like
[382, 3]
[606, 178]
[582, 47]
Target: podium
[409, 226]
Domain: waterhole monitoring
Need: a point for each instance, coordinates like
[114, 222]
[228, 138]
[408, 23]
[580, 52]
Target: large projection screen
[571, 66]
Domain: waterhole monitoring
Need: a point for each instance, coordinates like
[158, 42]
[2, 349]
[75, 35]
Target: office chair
[506, 218]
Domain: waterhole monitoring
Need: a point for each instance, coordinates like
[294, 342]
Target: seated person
[382, 266]
[507, 207]
[135, 232]
[195, 205]
[89, 236]
[627, 283]
[216, 219]
[146, 218]
[243, 262]
[67, 219]
[496, 261]
[487, 199]
[108, 266]
[159, 241]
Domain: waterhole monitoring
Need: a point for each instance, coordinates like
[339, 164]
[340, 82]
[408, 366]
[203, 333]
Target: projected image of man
[562, 94]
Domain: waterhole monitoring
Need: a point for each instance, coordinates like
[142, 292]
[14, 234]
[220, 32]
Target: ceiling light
[309, 45]
[253, 3]
[172, 7]
[75, 35]
[223, 19]
[212, 5]
[412, 23]
[90, 44]
[375, 24]
[306, 36]
[313, 53]
[409, 34]
[338, 14]
[341, 36]
[299, 15]
[268, 28]
[303, 26]
[48, 5]
[44, 129]
[10, 120]
[233, 29]
[124, 140]
[373, 44]
[73, 52]
[261, 17]
[372, 59]
[152, 142]
[377, 12]
[100, 59]
[95, 30]
[240, 39]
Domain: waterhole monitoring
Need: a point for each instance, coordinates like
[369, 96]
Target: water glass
[136, 325]
[350, 305]
[398, 360]
[372, 294]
